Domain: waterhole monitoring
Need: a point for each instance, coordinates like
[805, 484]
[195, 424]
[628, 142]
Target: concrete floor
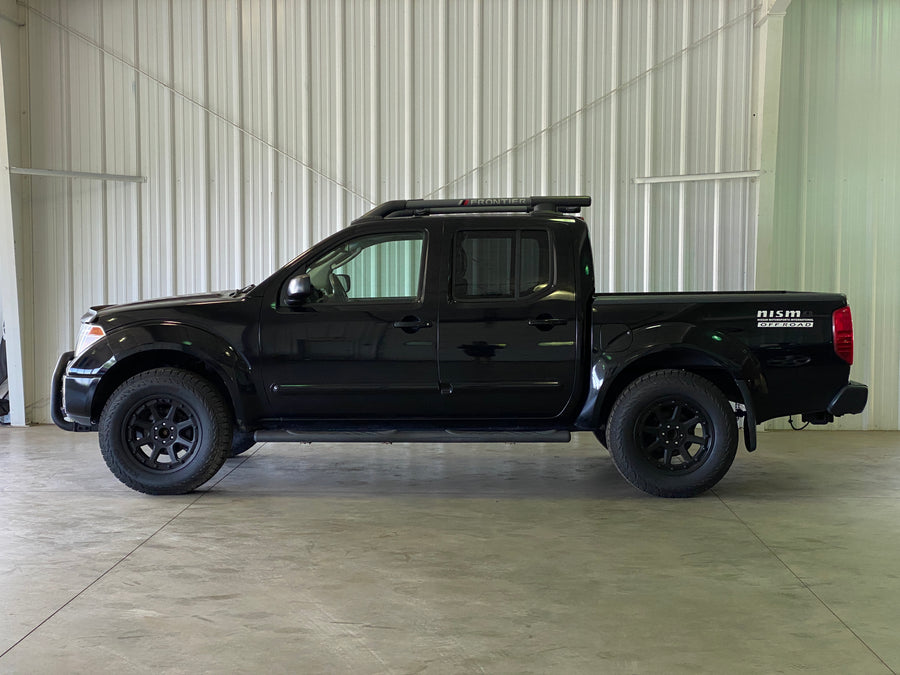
[452, 559]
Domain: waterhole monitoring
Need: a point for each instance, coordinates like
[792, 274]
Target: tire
[165, 431]
[672, 433]
[241, 442]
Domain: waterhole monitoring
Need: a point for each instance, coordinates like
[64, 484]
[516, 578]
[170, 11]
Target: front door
[507, 327]
[364, 344]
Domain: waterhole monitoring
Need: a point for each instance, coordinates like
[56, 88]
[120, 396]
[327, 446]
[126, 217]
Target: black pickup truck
[467, 320]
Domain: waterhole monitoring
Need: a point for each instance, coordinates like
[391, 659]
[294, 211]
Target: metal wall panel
[15, 283]
[837, 221]
[264, 125]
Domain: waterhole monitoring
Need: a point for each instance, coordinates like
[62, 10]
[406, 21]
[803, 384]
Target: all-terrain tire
[165, 431]
[672, 433]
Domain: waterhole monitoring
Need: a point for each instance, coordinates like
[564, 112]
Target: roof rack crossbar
[422, 207]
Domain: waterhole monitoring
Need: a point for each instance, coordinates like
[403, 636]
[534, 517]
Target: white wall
[837, 215]
[264, 126]
[14, 242]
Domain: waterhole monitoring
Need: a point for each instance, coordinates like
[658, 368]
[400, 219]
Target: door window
[497, 264]
[373, 268]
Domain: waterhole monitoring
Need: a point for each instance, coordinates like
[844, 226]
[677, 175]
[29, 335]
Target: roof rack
[400, 208]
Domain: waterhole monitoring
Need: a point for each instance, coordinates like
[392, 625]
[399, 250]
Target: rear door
[507, 325]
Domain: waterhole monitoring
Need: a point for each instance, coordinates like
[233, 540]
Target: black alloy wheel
[674, 434]
[162, 432]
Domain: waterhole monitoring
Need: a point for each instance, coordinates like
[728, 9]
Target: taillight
[842, 327]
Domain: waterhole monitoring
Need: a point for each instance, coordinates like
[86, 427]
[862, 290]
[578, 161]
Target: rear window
[492, 264]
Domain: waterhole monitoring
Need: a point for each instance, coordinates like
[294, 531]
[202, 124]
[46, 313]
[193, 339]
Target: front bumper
[850, 400]
[57, 403]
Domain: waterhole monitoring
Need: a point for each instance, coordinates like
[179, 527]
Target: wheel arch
[162, 356]
[720, 373]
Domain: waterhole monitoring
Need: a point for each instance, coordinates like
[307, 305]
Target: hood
[102, 312]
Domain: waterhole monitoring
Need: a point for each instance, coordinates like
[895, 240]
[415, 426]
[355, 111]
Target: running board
[403, 436]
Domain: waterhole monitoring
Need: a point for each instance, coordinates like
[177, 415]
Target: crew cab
[466, 320]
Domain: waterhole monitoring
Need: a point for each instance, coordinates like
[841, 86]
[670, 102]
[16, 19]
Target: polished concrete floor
[452, 559]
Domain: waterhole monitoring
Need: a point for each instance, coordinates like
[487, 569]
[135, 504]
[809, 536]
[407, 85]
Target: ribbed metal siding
[264, 126]
[837, 221]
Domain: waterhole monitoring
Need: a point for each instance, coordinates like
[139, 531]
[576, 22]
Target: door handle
[411, 324]
[546, 322]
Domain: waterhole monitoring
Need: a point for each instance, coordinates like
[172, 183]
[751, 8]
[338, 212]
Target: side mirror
[298, 289]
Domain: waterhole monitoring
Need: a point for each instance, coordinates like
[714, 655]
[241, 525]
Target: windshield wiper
[245, 289]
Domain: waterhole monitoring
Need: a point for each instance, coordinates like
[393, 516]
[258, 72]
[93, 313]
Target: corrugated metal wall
[837, 219]
[263, 126]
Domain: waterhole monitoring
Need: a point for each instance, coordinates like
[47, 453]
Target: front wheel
[672, 433]
[165, 431]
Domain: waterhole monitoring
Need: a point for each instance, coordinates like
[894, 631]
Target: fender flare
[670, 345]
[216, 355]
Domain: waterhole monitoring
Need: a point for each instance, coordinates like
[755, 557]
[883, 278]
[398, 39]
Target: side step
[404, 436]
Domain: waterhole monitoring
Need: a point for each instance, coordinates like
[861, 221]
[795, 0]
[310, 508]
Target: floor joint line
[803, 583]
[121, 560]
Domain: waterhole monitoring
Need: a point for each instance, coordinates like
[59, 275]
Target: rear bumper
[850, 400]
[57, 398]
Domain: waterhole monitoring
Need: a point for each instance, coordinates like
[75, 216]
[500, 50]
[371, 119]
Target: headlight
[88, 335]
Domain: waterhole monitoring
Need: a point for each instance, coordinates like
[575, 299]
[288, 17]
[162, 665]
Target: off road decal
[784, 318]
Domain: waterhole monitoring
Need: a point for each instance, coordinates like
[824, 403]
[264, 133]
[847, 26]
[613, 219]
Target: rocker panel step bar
[404, 436]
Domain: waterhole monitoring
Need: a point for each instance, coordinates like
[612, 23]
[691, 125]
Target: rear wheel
[165, 431]
[672, 433]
